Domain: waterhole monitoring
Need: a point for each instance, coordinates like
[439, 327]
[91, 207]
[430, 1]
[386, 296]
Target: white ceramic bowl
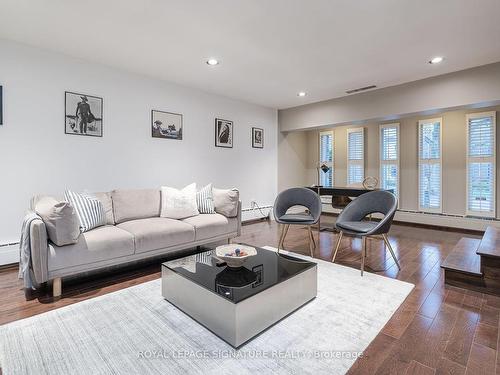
[233, 260]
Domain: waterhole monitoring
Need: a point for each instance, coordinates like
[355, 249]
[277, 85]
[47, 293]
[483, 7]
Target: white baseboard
[9, 254]
[248, 214]
[451, 221]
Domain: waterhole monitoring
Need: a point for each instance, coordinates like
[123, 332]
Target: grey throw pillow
[60, 219]
[226, 201]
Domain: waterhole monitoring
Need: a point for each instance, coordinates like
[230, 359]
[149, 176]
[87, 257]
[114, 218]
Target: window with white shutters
[326, 158]
[429, 166]
[389, 157]
[355, 156]
[481, 133]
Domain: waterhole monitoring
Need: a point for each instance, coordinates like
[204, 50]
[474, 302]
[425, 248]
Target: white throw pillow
[226, 201]
[89, 210]
[178, 204]
[205, 200]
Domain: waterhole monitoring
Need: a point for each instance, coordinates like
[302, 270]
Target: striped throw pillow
[89, 210]
[205, 200]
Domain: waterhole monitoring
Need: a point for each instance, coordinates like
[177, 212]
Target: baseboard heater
[256, 213]
[8, 244]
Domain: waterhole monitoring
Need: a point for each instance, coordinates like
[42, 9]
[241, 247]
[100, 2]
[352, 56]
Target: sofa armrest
[239, 218]
[39, 251]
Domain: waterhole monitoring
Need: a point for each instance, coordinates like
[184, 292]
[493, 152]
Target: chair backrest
[297, 197]
[379, 201]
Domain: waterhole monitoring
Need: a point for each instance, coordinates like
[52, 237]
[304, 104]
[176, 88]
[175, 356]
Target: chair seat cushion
[299, 218]
[357, 226]
[99, 244]
[212, 225]
[158, 233]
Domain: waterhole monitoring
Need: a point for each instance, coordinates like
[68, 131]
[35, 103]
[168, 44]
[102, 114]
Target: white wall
[445, 92]
[37, 157]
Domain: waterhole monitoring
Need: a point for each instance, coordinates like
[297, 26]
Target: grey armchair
[351, 220]
[297, 197]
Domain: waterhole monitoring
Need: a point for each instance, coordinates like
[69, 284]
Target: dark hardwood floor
[437, 330]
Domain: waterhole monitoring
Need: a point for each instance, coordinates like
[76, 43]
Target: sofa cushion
[61, 221]
[99, 244]
[158, 233]
[107, 203]
[135, 204]
[212, 225]
[226, 201]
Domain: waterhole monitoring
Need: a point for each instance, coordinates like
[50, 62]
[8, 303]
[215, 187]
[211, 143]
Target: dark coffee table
[237, 304]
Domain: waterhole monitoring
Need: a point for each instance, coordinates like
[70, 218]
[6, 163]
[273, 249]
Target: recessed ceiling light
[301, 94]
[212, 62]
[436, 60]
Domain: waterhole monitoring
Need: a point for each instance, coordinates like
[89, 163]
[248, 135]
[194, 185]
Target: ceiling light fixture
[436, 60]
[212, 62]
[301, 94]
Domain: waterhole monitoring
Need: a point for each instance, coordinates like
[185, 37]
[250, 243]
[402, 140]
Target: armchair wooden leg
[57, 287]
[337, 246]
[311, 241]
[388, 244]
[282, 231]
[312, 236]
[363, 255]
[285, 232]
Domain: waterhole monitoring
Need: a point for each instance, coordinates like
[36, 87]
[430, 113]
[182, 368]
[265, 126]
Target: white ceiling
[269, 49]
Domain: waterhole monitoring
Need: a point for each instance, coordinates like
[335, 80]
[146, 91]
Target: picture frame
[1, 105]
[83, 114]
[223, 133]
[166, 125]
[257, 138]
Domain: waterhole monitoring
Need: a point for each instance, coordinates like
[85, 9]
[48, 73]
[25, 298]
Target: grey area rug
[135, 331]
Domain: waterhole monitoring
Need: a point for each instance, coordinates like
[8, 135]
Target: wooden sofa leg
[57, 287]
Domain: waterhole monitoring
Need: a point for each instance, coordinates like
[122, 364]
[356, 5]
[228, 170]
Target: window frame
[356, 162]
[320, 162]
[470, 159]
[429, 161]
[396, 162]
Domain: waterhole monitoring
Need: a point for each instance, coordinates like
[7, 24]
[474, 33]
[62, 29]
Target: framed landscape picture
[166, 125]
[83, 114]
[257, 138]
[223, 133]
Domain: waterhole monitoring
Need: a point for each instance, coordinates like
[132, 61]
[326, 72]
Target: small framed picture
[166, 125]
[83, 114]
[257, 138]
[1, 105]
[223, 133]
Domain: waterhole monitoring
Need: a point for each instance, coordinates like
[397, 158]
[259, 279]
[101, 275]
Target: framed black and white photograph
[83, 114]
[257, 138]
[166, 125]
[223, 133]
[1, 105]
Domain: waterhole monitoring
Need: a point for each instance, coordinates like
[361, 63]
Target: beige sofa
[134, 231]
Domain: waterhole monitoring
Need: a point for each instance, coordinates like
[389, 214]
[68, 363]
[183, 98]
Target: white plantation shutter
[326, 157]
[389, 157]
[481, 165]
[429, 166]
[355, 156]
